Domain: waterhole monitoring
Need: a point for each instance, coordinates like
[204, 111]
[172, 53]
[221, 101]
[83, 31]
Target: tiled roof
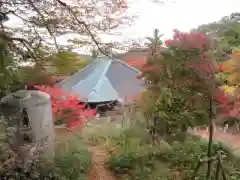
[103, 80]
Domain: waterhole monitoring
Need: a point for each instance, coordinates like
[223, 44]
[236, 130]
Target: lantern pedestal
[29, 114]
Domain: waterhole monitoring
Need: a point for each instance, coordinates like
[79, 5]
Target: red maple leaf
[66, 106]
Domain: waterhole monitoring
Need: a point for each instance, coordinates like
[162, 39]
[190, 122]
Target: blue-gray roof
[104, 80]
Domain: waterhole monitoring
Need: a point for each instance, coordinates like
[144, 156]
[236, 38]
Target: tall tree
[232, 68]
[43, 22]
[226, 33]
[8, 75]
[63, 63]
[154, 42]
[156, 39]
[175, 93]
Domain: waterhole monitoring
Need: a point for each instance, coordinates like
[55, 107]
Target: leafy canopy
[179, 79]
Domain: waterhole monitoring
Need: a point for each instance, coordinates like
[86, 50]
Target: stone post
[37, 106]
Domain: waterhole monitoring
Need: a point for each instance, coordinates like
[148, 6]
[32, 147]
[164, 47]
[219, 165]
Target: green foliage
[226, 32]
[222, 78]
[61, 64]
[232, 67]
[73, 165]
[123, 162]
[33, 75]
[184, 154]
[155, 41]
[132, 156]
[175, 94]
[8, 75]
[170, 164]
[71, 162]
[64, 63]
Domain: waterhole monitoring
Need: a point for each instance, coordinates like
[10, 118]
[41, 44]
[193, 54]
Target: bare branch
[43, 19]
[8, 38]
[24, 42]
[84, 24]
[25, 20]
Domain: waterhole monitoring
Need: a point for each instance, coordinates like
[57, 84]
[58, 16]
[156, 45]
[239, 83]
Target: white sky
[182, 14]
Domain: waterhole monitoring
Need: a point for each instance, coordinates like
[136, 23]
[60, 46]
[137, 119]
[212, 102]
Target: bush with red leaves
[202, 62]
[229, 105]
[189, 41]
[66, 107]
[189, 51]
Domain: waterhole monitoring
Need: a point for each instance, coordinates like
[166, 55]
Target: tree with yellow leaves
[232, 68]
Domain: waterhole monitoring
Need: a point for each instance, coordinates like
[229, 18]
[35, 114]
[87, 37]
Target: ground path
[230, 139]
[99, 171]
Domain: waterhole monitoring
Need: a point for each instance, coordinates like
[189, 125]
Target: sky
[181, 14]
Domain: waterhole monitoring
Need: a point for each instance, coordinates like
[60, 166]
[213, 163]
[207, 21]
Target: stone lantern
[28, 120]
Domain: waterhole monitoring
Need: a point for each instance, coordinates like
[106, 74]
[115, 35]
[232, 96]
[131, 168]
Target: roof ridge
[99, 82]
[79, 71]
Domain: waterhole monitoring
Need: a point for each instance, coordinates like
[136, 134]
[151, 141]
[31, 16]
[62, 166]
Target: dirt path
[232, 140]
[99, 171]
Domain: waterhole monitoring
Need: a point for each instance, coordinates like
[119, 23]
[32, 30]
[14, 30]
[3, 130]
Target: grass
[133, 157]
[98, 131]
[72, 161]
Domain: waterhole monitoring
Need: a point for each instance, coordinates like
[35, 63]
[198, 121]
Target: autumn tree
[182, 88]
[226, 33]
[232, 68]
[44, 22]
[176, 92]
[230, 87]
[66, 108]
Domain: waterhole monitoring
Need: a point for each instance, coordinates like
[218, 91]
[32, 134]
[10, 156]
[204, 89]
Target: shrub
[66, 107]
[122, 163]
[74, 165]
[177, 162]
